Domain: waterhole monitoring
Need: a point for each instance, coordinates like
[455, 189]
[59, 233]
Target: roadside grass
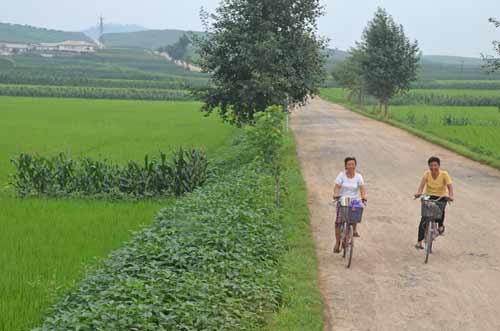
[302, 307]
[473, 132]
[46, 244]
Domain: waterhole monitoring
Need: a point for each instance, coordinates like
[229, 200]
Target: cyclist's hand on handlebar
[417, 195]
[450, 199]
[336, 197]
[364, 200]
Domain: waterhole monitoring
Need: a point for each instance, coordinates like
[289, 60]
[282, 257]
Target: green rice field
[46, 244]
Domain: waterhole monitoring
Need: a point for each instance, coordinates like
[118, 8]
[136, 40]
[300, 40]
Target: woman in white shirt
[349, 184]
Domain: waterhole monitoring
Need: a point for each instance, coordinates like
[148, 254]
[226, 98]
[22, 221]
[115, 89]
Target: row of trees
[383, 64]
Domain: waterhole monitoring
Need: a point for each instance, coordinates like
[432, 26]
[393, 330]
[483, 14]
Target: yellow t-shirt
[438, 186]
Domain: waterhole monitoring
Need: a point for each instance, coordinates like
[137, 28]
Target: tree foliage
[493, 63]
[179, 50]
[390, 60]
[261, 53]
[349, 74]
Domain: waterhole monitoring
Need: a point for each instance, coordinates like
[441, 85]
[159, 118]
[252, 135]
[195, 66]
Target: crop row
[42, 78]
[93, 92]
[471, 98]
[63, 176]
[448, 98]
[458, 84]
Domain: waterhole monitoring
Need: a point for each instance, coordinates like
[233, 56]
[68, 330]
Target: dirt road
[389, 287]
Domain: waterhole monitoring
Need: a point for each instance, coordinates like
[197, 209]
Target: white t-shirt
[349, 187]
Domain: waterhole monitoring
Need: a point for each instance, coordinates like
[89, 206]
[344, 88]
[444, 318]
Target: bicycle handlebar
[427, 197]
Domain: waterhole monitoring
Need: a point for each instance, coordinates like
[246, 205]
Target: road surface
[389, 287]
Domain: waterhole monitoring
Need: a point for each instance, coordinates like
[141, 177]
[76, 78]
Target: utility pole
[101, 30]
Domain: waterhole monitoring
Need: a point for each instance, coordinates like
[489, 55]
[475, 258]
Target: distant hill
[94, 31]
[336, 55]
[435, 67]
[150, 39]
[30, 34]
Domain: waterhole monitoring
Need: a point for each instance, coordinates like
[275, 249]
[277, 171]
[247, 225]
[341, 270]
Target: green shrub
[61, 175]
[266, 138]
[209, 262]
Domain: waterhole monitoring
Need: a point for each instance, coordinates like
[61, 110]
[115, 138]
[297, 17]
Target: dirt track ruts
[389, 287]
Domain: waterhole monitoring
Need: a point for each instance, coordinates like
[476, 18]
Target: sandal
[419, 246]
[356, 235]
[336, 249]
[441, 230]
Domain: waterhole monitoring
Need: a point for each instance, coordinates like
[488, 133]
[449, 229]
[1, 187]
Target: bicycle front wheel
[349, 246]
[428, 241]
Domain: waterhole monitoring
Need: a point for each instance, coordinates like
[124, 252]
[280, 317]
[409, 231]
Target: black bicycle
[432, 210]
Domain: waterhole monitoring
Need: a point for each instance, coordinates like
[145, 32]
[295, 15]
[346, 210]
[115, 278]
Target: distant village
[72, 46]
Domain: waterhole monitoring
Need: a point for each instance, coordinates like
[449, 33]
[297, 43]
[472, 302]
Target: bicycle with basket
[352, 213]
[432, 210]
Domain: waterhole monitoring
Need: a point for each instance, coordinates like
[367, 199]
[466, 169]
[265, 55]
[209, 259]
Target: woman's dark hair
[434, 159]
[350, 158]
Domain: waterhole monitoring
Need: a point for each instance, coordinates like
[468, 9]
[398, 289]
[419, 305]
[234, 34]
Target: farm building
[65, 46]
[68, 46]
[14, 48]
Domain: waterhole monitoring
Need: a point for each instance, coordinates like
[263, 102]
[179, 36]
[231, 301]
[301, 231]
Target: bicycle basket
[352, 214]
[431, 209]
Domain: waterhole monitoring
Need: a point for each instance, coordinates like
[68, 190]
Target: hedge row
[209, 262]
[62, 176]
[94, 92]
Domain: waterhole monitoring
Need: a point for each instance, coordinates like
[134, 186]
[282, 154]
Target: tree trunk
[386, 108]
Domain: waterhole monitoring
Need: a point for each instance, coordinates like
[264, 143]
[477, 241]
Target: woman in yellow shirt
[437, 184]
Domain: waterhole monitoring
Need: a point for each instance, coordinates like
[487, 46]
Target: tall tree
[261, 53]
[349, 74]
[390, 62]
[493, 63]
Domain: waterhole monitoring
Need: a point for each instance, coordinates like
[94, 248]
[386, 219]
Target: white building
[7, 48]
[77, 46]
[73, 46]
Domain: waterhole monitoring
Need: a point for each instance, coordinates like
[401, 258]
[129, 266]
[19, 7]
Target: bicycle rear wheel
[349, 246]
[428, 240]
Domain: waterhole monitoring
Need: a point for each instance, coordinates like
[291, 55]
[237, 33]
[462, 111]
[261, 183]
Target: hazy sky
[449, 27]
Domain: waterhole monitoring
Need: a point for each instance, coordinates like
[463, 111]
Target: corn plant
[61, 175]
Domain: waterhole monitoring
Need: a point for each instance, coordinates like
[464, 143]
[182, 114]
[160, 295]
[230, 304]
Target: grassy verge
[431, 137]
[302, 304]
